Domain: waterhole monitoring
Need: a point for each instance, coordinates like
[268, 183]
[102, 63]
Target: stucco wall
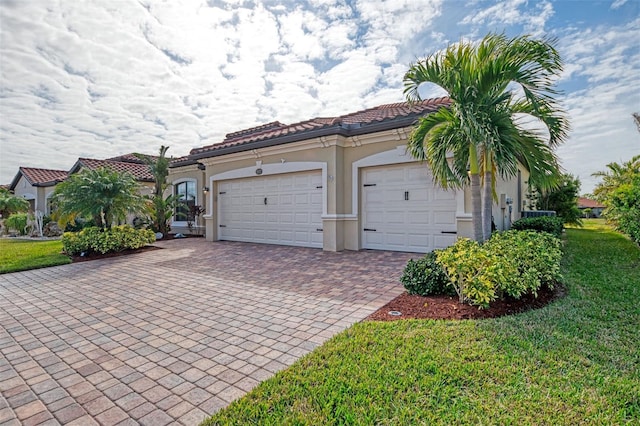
[341, 161]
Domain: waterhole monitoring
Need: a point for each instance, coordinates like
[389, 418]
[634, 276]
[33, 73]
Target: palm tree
[483, 128]
[104, 195]
[160, 207]
[10, 204]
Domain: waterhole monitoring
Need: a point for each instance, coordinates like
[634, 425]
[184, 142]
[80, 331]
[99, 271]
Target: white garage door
[403, 210]
[281, 209]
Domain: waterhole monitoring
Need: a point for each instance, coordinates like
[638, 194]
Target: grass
[576, 361]
[21, 255]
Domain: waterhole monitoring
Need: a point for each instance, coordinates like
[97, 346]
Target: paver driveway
[169, 336]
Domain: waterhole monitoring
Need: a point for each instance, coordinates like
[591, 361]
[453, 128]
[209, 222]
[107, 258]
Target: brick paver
[169, 336]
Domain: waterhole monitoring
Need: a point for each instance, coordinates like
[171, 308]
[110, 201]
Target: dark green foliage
[17, 222]
[563, 199]
[425, 277]
[102, 195]
[98, 240]
[159, 208]
[619, 191]
[551, 224]
[10, 204]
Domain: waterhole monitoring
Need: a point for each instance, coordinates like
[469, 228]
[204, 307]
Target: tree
[10, 204]
[563, 199]
[619, 192]
[483, 128]
[160, 207]
[104, 195]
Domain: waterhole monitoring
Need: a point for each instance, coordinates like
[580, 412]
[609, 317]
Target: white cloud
[91, 79]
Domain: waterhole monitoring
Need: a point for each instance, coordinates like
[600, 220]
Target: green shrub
[511, 263]
[551, 224]
[467, 265]
[96, 240]
[425, 277]
[17, 222]
[523, 261]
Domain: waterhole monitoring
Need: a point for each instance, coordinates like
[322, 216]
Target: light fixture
[201, 166]
[205, 189]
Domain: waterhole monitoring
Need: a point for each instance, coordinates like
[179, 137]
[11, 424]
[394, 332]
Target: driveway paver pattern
[170, 336]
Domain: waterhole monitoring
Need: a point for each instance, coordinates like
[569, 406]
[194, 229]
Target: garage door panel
[406, 209]
[291, 215]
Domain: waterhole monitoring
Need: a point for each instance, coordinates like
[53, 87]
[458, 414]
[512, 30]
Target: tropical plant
[17, 222]
[160, 208]
[102, 195]
[484, 126]
[619, 192]
[10, 204]
[563, 199]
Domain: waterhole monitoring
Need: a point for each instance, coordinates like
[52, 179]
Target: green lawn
[576, 361]
[20, 255]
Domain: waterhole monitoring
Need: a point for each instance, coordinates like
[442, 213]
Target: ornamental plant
[551, 224]
[511, 263]
[97, 240]
[425, 277]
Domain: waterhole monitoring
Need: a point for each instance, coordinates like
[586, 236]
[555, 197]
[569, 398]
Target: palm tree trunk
[487, 203]
[476, 203]
[476, 208]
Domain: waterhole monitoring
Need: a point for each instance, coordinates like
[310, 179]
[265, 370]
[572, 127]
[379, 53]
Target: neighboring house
[595, 207]
[36, 186]
[335, 183]
[125, 163]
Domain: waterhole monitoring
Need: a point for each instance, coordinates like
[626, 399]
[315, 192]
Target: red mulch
[94, 256]
[447, 307]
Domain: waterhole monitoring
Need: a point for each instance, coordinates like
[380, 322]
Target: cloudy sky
[103, 78]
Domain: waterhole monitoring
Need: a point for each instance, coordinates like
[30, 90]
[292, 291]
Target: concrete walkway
[170, 336]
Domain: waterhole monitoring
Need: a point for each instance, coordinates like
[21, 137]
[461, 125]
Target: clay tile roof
[139, 171]
[586, 203]
[42, 177]
[358, 119]
[131, 158]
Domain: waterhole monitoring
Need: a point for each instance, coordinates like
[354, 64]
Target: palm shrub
[102, 195]
[425, 277]
[159, 208]
[10, 204]
[18, 222]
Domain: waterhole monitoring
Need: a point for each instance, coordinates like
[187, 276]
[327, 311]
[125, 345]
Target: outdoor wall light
[205, 189]
[201, 166]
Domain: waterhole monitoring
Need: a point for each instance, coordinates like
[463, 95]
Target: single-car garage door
[281, 209]
[403, 210]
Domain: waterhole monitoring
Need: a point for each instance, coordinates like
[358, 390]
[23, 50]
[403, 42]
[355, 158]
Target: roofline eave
[340, 130]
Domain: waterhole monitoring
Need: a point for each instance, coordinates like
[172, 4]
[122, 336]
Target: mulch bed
[94, 256]
[447, 307]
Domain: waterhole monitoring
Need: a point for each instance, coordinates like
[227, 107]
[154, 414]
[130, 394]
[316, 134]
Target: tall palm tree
[160, 207]
[483, 128]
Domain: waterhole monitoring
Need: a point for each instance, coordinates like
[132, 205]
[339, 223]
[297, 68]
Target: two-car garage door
[283, 209]
[403, 210]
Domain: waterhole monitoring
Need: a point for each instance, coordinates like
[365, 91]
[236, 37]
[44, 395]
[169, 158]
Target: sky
[101, 79]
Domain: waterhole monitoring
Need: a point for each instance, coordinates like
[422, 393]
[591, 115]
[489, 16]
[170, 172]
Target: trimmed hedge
[96, 240]
[551, 224]
[425, 277]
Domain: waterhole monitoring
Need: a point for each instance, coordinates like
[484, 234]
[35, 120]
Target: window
[186, 195]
